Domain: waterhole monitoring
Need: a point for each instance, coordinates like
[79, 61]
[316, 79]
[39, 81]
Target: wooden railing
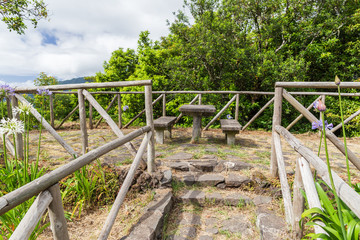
[303, 176]
[162, 96]
[47, 188]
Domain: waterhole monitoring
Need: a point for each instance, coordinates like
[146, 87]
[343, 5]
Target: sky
[79, 36]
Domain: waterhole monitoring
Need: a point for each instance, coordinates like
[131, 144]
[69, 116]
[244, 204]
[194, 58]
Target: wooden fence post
[52, 120]
[119, 111]
[164, 105]
[276, 121]
[298, 202]
[237, 107]
[90, 116]
[18, 137]
[8, 105]
[82, 115]
[56, 214]
[150, 123]
[200, 99]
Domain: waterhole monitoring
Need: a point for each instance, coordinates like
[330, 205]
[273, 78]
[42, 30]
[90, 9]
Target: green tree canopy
[16, 12]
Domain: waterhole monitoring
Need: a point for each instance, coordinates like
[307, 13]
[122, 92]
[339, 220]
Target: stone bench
[161, 124]
[230, 127]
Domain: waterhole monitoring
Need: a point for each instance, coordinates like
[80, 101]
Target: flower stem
[39, 142]
[332, 180]
[344, 135]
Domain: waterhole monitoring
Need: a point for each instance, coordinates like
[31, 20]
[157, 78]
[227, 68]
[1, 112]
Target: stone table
[197, 112]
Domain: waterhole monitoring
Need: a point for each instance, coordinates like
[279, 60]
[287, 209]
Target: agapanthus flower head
[337, 80]
[126, 107]
[318, 125]
[6, 90]
[12, 126]
[23, 108]
[44, 92]
[229, 116]
[319, 105]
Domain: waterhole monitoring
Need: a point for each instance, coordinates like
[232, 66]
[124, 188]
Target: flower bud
[337, 80]
[321, 106]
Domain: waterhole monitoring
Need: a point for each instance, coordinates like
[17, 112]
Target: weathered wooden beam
[164, 105]
[285, 189]
[327, 85]
[52, 116]
[301, 115]
[298, 202]
[310, 190]
[47, 126]
[276, 121]
[219, 113]
[56, 215]
[82, 116]
[142, 112]
[237, 107]
[67, 116]
[32, 217]
[84, 86]
[258, 113]
[331, 136]
[119, 111]
[345, 192]
[124, 189]
[107, 109]
[346, 121]
[150, 122]
[110, 121]
[42, 183]
[91, 126]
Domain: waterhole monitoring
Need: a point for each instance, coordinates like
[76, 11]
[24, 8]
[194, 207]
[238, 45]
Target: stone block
[210, 179]
[236, 180]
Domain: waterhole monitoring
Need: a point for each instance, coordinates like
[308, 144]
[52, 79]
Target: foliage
[88, 187]
[15, 13]
[329, 217]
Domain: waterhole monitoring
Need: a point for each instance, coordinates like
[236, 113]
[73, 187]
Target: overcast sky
[79, 36]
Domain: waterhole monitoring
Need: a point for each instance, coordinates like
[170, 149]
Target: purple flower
[318, 125]
[126, 107]
[319, 105]
[6, 90]
[44, 92]
[229, 116]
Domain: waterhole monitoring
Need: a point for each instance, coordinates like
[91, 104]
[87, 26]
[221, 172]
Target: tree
[16, 12]
[44, 80]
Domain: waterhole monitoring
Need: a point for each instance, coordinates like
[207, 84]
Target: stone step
[150, 224]
[204, 226]
[231, 180]
[209, 165]
[228, 198]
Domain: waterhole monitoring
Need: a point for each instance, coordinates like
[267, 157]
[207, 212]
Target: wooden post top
[197, 110]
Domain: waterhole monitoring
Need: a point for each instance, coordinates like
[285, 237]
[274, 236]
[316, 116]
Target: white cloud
[28, 83]
[86, 33]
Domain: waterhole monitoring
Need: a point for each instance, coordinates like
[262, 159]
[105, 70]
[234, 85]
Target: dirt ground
[251, 146]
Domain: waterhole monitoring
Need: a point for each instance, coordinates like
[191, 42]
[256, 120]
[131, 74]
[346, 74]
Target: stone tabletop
[203, 110]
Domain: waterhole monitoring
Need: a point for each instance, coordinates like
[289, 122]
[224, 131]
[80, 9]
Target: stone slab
[210, 179]
[237, 199]
[236, 180]
[193, 196]
[180, 156]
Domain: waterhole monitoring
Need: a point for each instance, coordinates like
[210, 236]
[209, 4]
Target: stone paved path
[221, 191]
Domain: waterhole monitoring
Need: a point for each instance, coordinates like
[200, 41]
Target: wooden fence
[47, 188]
[303, 176]
[162, 97]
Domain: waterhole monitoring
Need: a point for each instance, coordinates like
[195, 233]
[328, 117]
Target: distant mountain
[73, 81]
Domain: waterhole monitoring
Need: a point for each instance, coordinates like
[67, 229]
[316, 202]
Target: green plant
[329, 217]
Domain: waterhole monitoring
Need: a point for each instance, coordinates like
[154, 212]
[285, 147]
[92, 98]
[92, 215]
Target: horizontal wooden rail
[218, 92]
[345, 192]
[29, 190]
[330, 85]
[84, 86]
